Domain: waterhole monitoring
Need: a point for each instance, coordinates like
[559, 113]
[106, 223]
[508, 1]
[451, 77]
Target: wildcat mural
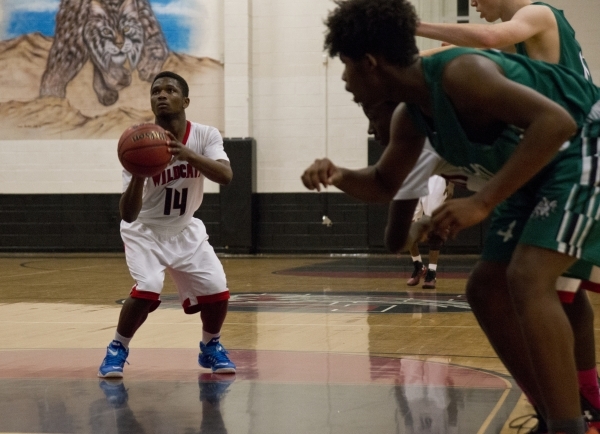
[118, 36]
[81, 69]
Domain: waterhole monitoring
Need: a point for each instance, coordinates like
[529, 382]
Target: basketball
[143, 149]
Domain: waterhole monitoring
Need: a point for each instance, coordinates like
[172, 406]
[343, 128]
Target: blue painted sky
[21, 17]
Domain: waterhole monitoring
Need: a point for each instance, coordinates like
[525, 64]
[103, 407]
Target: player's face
[166, 97]
[361, 81]
[380, 116]
[489, 10]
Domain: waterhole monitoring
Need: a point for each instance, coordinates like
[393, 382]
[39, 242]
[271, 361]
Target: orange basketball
[143, 149]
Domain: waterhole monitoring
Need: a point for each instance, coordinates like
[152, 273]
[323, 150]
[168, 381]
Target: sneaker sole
[425, 286]
[110, 375]
[218, 370]
[225, 371]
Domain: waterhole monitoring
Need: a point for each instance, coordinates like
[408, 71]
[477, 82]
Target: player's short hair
[380, 27]
[185, 90]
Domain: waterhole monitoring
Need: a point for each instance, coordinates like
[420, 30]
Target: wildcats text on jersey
[175, 172]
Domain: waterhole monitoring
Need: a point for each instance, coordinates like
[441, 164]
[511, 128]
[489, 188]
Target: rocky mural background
[81, 69]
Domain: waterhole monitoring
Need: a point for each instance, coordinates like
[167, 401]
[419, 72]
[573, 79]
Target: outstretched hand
[457, 214]
[321, 172]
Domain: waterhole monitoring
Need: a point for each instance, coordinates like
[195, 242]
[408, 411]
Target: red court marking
[263, 366]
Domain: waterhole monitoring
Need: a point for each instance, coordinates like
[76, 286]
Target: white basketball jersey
[171, 197]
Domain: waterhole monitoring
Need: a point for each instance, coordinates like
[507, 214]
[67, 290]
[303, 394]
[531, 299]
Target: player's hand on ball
[321, 172]
[457, 214]
[177, 149]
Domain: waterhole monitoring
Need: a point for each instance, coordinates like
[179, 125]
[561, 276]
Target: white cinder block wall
[278, 88]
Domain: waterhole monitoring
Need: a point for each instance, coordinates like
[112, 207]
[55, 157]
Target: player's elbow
[570, 128]
[226, 178]
[564, 127]
[128, 217]
[128, 214]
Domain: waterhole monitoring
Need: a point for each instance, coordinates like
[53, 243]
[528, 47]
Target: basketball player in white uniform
[160, 233]
[439, 190]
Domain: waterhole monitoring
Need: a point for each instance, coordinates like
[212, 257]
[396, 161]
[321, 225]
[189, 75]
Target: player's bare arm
[482, 97]
[378, 183]
[218, 171]
[400, 215]
[528, 22]
[130, 203]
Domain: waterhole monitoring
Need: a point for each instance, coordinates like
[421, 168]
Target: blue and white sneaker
[214, 356]
[115, 392]
[112, 365]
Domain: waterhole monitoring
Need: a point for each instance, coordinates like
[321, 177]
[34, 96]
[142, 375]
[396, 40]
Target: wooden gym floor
[323, 344]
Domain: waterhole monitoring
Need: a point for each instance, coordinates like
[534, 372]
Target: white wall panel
[277, 89]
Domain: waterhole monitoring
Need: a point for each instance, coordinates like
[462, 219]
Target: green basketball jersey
[562, 85]
[570, 50]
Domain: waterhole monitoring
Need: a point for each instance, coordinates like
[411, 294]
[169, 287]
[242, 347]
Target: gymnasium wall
[256, 69]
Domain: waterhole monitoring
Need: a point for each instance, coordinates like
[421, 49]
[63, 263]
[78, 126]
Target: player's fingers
[310, 179]
[323, 172]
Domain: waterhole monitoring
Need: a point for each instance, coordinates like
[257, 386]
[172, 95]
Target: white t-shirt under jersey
[171, 197]
[431, 163]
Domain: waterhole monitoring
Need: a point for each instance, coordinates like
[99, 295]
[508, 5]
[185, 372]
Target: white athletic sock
[207, 337]
[432, 267]
[125, 341]
[417, 258]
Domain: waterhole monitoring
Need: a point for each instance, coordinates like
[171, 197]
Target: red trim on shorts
[203, 299]
[188, 128]
[146, 295]
[590, 286]
[566, 297]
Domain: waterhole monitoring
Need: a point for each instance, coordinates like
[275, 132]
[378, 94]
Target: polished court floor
[323, 344]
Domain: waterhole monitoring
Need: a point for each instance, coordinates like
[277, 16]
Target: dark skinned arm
[130, 203]
[378, 183]
[218, 171]
[477, 86]
[400, 217]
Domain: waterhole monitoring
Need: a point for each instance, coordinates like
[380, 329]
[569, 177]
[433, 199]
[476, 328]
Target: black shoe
[429, 282]
[418, 272]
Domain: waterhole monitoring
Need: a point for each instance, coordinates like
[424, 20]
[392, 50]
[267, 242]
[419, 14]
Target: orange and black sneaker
[430, 278]
[419, 271]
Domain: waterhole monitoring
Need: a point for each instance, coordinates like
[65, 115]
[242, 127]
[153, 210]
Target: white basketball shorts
[437, 194]
[186, 255]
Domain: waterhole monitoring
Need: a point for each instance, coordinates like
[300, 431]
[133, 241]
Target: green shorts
[559, 209]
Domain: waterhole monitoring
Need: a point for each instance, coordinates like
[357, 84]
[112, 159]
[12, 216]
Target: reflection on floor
[316, 353]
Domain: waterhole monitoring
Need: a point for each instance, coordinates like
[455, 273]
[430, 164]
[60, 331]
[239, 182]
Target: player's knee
[519, 277]
[435, 241]
[486, 287]
[474, 291]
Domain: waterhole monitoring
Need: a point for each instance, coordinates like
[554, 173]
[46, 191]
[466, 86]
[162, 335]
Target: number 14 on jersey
[175, 200]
